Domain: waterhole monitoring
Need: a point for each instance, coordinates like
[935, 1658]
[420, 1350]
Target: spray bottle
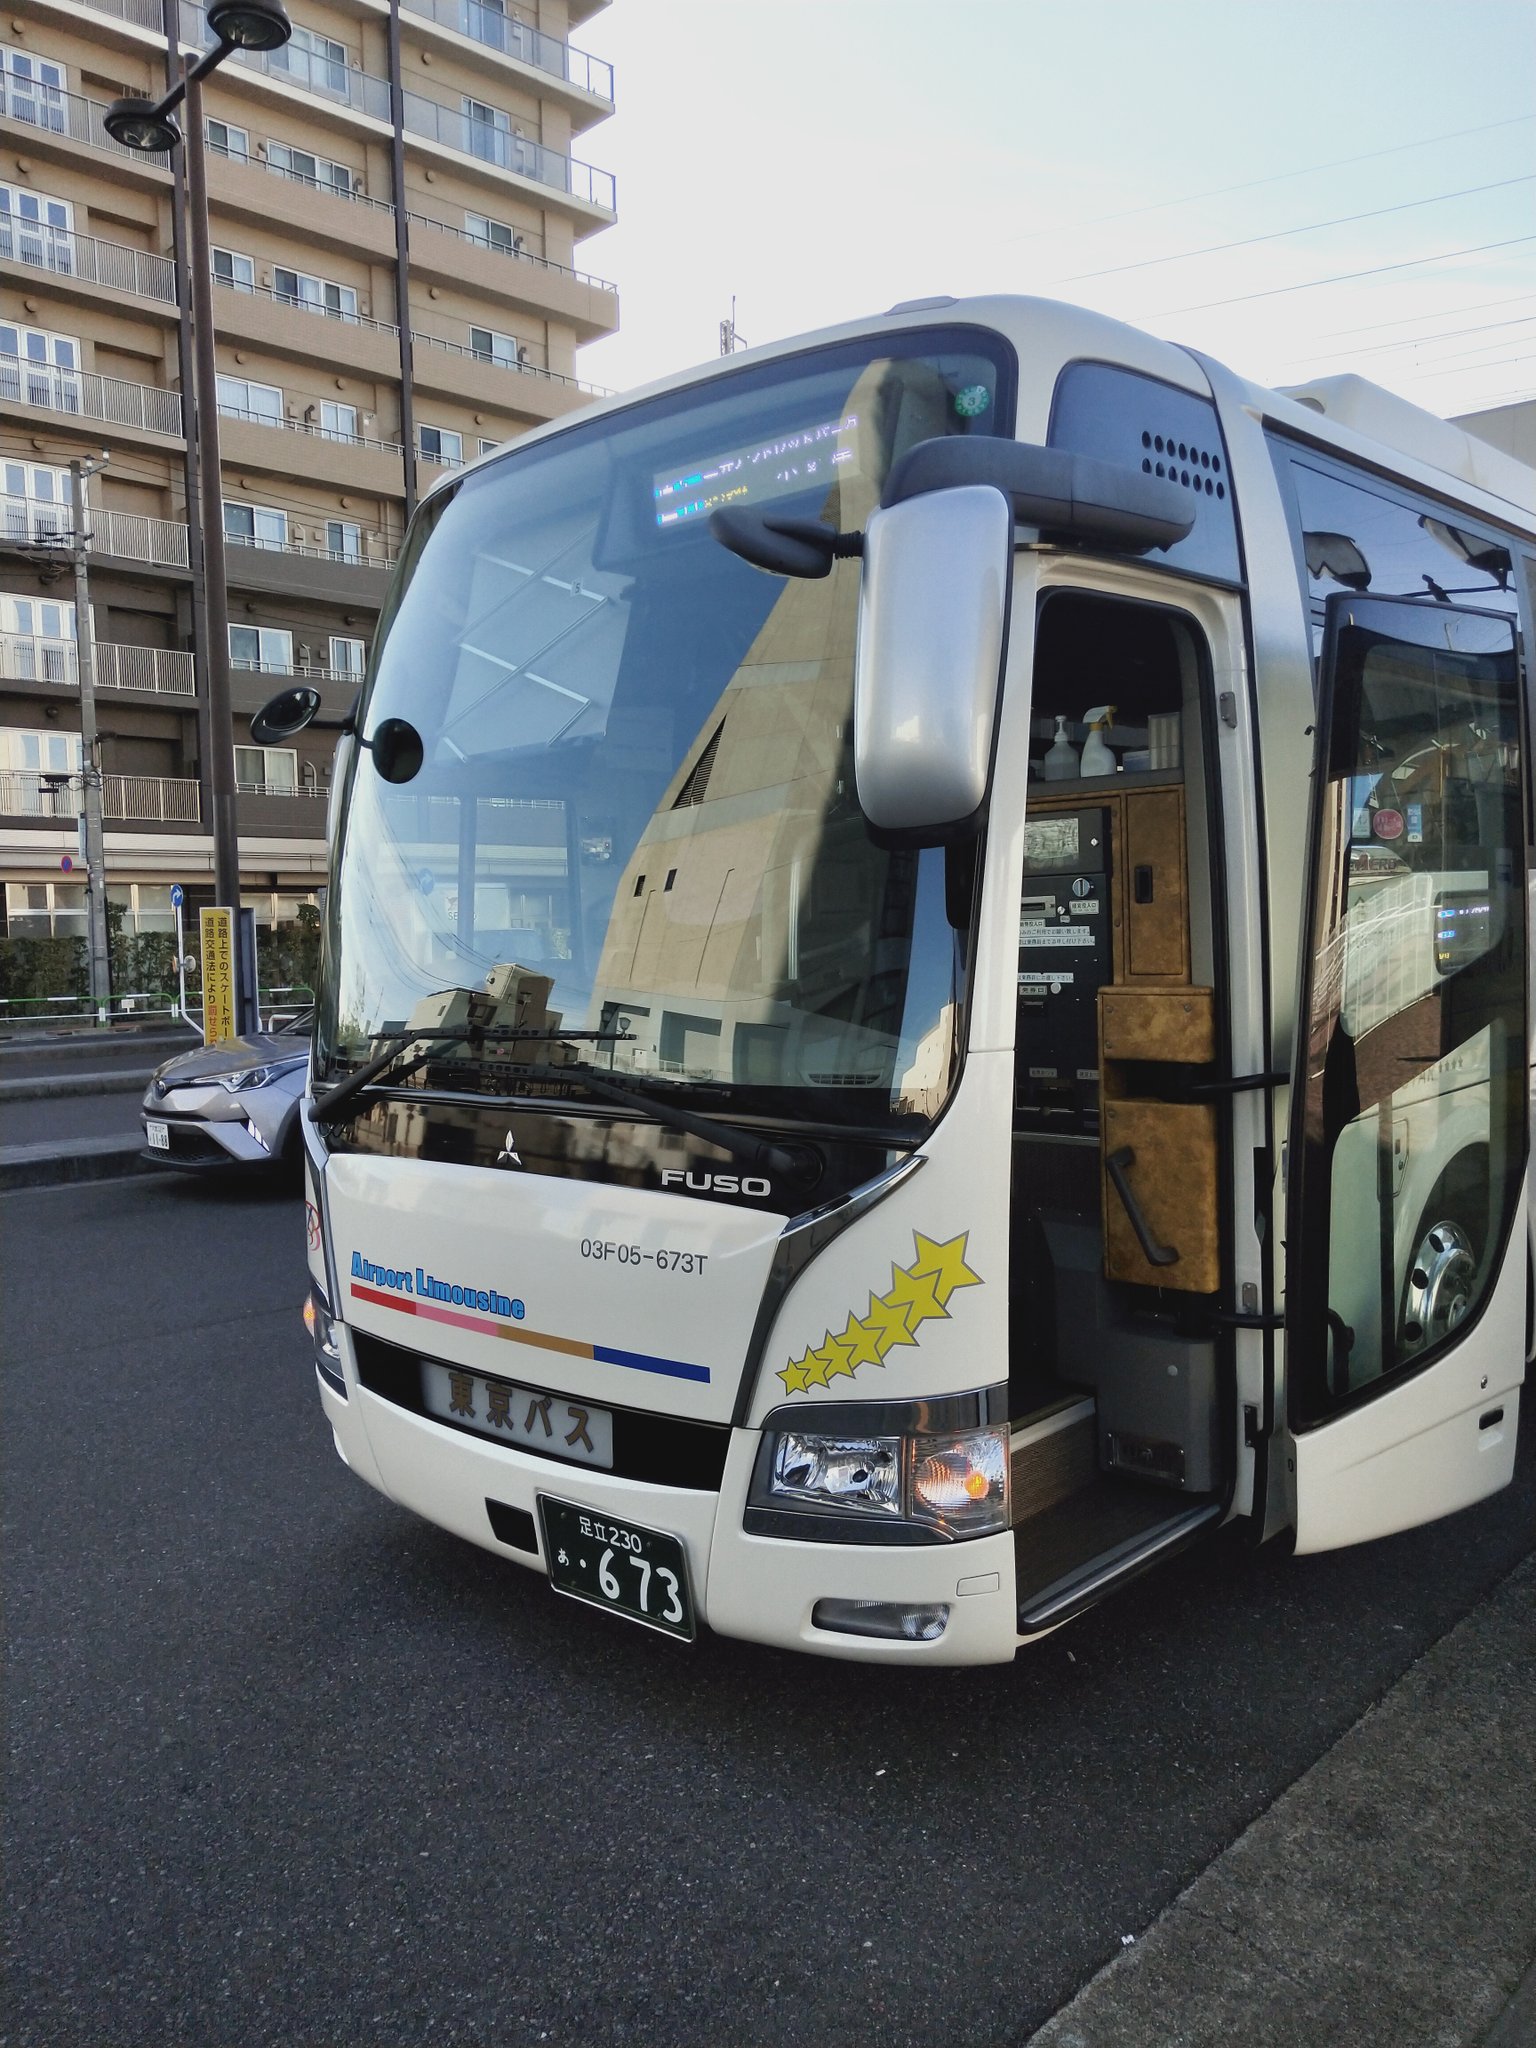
[1059, 763]
[1098, 756]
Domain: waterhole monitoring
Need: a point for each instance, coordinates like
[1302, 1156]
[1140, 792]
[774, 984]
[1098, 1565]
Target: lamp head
[140, 125]
[250, 24]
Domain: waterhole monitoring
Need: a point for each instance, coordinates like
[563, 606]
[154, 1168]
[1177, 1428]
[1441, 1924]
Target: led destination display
[748, 476]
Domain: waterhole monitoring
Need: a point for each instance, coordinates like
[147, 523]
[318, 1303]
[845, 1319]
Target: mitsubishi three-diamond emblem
[508, 1155]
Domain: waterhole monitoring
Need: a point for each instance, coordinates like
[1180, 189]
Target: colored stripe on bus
[602, 1354]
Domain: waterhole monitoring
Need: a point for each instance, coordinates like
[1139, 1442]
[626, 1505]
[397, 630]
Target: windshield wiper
[388, 1067]
[761, 1152]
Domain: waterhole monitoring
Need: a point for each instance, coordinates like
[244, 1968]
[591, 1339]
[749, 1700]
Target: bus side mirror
[933, 623]
[284, 715]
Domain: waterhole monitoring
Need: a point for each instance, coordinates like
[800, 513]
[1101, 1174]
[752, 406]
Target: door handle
[1154, 1253]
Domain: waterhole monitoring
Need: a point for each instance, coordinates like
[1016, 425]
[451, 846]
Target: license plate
[159, 1136]
[511, 1414]
[639, 1573]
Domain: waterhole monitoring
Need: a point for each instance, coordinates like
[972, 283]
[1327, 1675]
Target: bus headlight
[847, 1472]
[887, 1475]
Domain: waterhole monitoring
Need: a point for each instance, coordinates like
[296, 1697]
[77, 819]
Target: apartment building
[396, 290]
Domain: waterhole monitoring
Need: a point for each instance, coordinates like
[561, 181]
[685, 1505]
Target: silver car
[233, 1104]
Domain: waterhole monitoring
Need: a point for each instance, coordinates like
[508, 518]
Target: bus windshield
[635, 822]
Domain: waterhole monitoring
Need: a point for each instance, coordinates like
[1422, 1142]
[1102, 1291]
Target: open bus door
[1405, 1238]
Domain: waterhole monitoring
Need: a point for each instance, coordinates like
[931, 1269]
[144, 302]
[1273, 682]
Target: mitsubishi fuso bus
[925, 985]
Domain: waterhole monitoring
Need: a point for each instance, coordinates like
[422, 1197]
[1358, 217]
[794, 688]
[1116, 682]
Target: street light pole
[205, 402]
[97, 957]
[150, 126]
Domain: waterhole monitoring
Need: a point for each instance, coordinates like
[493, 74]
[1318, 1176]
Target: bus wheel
[1447, 1252]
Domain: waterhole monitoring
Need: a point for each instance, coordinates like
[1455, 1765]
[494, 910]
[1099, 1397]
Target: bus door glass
[1408, 1140]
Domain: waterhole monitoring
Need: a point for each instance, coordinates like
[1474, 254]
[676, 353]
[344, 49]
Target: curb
[45, 1087]
[82, 1045]
[52, 1165]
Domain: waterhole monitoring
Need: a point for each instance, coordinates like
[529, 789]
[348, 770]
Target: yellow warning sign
[218, 975]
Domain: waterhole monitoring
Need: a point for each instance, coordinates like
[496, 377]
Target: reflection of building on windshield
[756, 935]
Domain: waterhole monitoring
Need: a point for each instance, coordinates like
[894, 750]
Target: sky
[819, 160]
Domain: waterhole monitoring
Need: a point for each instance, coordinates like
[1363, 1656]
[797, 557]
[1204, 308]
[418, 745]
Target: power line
[1347, 276]
[1312, 227]
[1274, 178]
[1375, 326]
[1383, 348]
[1425, 376]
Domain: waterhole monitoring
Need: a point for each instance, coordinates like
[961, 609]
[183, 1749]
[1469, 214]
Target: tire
[1445, 1266]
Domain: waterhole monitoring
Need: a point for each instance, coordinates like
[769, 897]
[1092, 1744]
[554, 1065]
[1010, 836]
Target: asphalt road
[289, 1766]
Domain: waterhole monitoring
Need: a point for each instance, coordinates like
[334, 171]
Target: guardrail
[69, 254]
[83, 393]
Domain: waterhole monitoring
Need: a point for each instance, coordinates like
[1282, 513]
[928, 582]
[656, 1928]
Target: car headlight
[896, 1478]
[258, 1077]
[322, 1329]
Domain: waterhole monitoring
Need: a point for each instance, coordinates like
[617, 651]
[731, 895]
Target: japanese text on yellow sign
[218, 975]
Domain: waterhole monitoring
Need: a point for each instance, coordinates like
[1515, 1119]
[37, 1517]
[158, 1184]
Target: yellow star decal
[889, 1323]
[917, 1294]
[815, 1368]
[946, 1262]
[863, 1342]
[794, 1375]
[836, 1355]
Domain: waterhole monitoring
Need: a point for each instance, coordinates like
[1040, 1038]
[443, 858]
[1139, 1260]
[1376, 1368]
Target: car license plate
[639, 1573]
[511, 1414]
[159, 1135]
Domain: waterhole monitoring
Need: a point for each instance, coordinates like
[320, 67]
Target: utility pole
[97, 957]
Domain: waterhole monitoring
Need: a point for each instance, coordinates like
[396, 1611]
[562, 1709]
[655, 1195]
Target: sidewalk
[1387, 1900]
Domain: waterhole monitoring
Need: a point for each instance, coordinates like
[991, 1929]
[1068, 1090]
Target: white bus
[788, 1149]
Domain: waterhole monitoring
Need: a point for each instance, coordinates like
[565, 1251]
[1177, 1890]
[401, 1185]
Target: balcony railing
[113, 399]
[170, 799]
[265, 419]
[39, 658]
[266, 291]
[311, 671]
[501, 31]
[142, 13]
[330, 78]
[57, 112]
[508, 152]
[352, 558]
[317, 790]
[112, 264]
[133, 536]
[25, 793]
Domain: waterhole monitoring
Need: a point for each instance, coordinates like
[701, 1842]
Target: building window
[256, 526]
[145, 906]
[492, 347]
[493, 234]
[266, 771]
[46, 367]
[224, 139]
[315, 294]
[487, 132]
[314, 61]
[440, 444]
[337, 422]
[261, 647]
[39, 639]
[37, 229]
[247, 401]
[233, 269]
[34, 89]
[486, 447]
[44, 910]
[39, 774]
[36, 501]
[348, 657]
[343, 540]
[308, 169]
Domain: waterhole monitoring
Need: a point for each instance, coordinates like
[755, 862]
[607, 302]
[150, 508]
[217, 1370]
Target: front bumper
[757, 1588]
[207, 1127]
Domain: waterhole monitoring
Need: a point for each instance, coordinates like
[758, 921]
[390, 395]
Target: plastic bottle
[1060, 761]
[1098, 755]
